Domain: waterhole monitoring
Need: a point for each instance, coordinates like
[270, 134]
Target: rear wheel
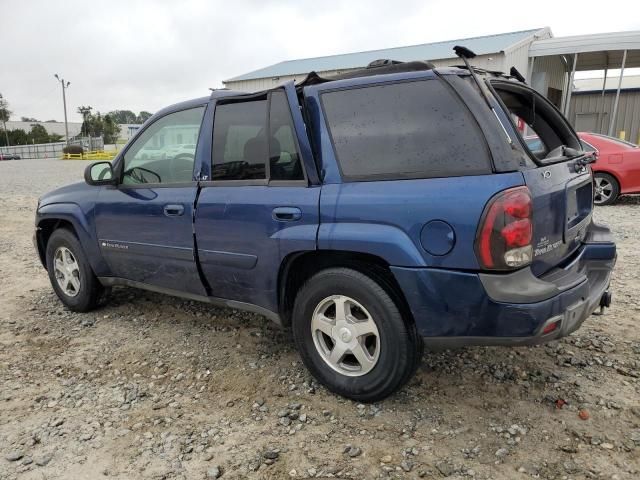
[70, 274]
[606, 189]
[352, 337]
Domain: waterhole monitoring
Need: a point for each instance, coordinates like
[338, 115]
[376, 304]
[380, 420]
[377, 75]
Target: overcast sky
[143, 55]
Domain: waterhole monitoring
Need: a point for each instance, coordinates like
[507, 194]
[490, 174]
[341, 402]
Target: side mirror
[100, 173]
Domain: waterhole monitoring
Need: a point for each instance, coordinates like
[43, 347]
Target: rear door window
[417, 129]
[240, 141]
[249, 144]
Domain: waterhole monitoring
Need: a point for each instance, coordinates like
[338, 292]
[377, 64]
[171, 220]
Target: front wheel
[70, 274]
[606, 189]
[352, 337]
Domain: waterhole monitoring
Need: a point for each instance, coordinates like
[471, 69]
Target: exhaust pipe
[605, 300]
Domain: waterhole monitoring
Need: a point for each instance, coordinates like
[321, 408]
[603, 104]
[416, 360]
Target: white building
[50, 127]
[494, 52]
[548, 64]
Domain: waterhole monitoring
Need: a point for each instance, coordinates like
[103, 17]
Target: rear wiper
[564, 153]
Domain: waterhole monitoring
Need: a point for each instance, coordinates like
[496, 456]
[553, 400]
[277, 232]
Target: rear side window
[404, 130]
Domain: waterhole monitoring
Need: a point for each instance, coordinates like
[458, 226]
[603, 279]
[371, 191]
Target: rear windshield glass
[404, 130]
[546, 133]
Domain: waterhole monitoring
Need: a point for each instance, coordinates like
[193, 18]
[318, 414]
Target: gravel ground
[157, 387]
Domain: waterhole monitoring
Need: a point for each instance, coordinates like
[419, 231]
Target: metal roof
[426, 51]
[595, 52]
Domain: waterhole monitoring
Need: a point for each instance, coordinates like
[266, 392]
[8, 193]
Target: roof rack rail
[377, 67]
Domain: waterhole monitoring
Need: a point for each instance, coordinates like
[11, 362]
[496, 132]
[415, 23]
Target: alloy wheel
[345, 335]
[603, 190]
[67, 271]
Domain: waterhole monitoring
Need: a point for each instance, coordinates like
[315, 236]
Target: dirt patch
[157, 387]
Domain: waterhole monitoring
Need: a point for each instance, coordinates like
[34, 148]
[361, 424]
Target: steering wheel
[136, 173]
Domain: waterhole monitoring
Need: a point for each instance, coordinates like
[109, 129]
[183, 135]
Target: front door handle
[173, 210]
[287, 214]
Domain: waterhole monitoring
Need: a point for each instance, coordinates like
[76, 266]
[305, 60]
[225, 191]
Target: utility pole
[65, 85]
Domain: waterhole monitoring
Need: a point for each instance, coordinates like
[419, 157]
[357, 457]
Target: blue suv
[372, 213]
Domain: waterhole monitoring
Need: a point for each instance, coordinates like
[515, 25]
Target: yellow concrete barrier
[93, 155]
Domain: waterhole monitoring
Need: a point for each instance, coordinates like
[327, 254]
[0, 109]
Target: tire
[391, 348]
[606, 189]
[85, 292]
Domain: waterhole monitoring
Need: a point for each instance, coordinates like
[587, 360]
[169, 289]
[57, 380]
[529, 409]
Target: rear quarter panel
[385, 218]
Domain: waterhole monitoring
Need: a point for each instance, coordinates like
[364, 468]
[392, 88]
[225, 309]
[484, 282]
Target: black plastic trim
[221, 302]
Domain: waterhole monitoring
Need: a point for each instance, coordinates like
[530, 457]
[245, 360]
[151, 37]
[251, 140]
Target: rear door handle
[287, 214]
[173, 210]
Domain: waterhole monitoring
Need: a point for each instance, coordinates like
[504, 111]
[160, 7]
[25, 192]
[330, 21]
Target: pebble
[271, 454]
[42, 460]
[406, 465]
[445, 468]
[353, 452]
[502, 452]
[214, 472]
[14, 456]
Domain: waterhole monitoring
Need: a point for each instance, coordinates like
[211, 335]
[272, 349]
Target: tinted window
[158, 154]
[240, 141]
[404, 130]
[284, 160]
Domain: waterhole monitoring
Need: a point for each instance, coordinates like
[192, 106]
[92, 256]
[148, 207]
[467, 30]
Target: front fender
[82, 222]
[384, 241]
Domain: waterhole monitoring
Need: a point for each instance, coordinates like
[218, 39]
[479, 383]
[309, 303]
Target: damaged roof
[426, 51]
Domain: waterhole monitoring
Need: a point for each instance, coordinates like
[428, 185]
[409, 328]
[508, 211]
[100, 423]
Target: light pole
[65, 85]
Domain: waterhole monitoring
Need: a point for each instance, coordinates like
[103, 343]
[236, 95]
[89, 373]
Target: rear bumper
[453, 308]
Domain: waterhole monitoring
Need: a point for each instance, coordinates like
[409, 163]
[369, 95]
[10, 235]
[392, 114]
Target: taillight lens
[504, 238]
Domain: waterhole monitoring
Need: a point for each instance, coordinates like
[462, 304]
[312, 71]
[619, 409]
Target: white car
[180, 149]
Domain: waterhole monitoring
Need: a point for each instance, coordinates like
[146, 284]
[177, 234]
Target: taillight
[504, 237]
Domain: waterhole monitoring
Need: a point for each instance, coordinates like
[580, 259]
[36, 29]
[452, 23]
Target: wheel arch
[296, 268]
[615, 175]
[71, 216]
[45, 228]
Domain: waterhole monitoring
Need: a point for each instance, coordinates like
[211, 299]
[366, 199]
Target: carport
[553, 63]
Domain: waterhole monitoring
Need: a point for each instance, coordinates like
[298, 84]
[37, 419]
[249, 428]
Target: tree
[143, 116]
[5, 114]
[123, 116]
[38, 134]
[17, 137]
[111, 129]
[98, 125]
[28, 119]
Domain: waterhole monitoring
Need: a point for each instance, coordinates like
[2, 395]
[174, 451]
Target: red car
[617, 171]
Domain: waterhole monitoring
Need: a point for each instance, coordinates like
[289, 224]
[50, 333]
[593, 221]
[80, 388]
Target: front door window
[159, 154]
